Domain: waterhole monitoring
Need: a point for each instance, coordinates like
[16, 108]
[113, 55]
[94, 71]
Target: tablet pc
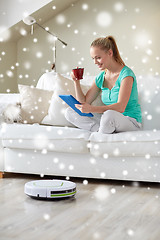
[71, 101]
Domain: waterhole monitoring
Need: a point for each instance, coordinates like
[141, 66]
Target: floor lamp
[31, 21]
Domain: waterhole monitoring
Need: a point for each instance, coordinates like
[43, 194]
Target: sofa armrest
[1, 152]
[8, 98]
[1, 159]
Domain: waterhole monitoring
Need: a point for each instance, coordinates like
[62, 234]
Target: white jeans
[108, 122]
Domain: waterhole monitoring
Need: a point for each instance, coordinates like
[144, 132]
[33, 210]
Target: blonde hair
[106, 43]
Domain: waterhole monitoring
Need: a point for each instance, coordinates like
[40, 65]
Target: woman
[121, 110]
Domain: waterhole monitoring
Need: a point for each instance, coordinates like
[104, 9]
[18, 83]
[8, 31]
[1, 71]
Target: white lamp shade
[29, 20]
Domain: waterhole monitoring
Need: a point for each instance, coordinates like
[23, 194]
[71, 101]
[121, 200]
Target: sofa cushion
[45, 138]
[131, 144]
[34, 103]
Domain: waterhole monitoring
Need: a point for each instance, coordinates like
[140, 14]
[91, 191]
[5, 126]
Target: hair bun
[110, 38]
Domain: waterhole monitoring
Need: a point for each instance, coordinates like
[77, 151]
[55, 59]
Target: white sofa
[68, 151]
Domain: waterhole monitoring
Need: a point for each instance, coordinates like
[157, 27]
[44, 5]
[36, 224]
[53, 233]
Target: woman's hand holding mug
[77, 73]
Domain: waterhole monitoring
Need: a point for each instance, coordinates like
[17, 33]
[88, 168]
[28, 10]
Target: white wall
[134, 24]
[8, 68]
[13, 11]
[33, 57]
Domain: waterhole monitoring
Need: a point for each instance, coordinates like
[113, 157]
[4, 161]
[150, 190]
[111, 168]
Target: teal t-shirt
[109, 97]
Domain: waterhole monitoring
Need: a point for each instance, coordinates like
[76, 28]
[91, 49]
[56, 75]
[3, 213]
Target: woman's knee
[107, 124]
[108, 115]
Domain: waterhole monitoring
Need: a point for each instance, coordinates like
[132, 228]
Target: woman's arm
[123, 98]
[92, 93]
[90, 96]
[79, 93]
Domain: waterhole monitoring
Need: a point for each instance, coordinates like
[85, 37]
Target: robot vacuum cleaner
[50, 189]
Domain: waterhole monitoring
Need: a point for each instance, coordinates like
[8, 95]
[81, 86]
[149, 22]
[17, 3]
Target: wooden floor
[103, 210]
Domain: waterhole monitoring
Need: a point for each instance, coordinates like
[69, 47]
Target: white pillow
[34, 103]
[57, 107]
[47, 81]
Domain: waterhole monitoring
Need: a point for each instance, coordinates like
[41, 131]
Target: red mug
[78, 73]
